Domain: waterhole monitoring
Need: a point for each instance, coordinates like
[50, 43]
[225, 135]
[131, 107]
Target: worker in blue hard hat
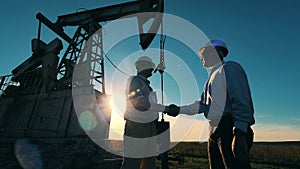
[227, 103]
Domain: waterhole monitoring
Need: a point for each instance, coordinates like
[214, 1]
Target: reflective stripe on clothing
[139, 92]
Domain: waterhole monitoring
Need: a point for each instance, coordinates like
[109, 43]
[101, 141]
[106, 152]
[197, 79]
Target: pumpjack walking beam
[102, 15]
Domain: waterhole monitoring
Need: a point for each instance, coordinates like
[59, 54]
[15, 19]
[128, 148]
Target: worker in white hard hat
[141, 115]
[227, 103]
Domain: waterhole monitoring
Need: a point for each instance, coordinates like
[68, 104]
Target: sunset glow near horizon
[262, 36]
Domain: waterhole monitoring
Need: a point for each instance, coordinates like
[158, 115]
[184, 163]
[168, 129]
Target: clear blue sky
[262, 35]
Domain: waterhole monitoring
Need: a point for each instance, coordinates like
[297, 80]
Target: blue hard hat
[219, 45]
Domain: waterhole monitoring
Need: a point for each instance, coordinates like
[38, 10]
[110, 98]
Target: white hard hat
[143, 63]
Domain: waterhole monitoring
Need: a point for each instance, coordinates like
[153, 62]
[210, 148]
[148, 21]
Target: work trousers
[223, 150]
[140, 131]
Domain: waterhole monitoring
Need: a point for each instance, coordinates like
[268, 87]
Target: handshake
[172, 110]
[196, 108]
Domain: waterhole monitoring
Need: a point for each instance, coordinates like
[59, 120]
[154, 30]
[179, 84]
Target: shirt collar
[144, 79]
[216, 66]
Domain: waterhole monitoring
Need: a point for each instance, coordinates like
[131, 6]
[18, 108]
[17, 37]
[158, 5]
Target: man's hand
[239, 146]
[172, 110]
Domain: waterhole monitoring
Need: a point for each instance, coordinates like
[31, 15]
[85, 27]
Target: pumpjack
[36, 99]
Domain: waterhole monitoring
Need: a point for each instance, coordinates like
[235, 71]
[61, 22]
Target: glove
[203, 108]
[172, 110]
[240, 146]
